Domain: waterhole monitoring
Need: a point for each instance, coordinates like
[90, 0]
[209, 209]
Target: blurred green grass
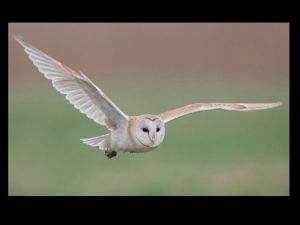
[208, 153]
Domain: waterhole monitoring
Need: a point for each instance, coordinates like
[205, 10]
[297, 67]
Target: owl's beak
[152, 138]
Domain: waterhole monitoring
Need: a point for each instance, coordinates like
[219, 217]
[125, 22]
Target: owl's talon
[110, 154]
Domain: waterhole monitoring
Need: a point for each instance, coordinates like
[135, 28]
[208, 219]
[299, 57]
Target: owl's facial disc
[150, 132]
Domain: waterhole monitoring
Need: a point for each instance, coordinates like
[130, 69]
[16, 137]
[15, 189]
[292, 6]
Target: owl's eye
[157, 129]
[145, 129]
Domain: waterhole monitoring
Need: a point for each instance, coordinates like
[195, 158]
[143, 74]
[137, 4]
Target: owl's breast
[123, 141]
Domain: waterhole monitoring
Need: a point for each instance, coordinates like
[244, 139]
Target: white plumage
[128, 133]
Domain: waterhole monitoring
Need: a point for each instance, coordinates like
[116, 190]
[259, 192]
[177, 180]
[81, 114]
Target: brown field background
[158, 50]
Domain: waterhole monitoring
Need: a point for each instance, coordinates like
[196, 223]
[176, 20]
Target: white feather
[96, 141]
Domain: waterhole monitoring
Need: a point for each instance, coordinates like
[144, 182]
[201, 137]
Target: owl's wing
[176, 113]
[81, 92]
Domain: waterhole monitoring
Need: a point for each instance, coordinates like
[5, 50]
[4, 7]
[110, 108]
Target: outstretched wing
[81, 92]
[176, 113]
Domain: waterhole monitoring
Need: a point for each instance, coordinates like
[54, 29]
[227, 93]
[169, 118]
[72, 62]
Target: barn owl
[127, 133]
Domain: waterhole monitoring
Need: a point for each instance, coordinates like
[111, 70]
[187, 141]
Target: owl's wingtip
[276, 104]
[18, 37]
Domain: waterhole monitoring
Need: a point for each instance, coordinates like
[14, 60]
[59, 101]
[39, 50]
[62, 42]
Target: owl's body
[127, 133]
[126, 138]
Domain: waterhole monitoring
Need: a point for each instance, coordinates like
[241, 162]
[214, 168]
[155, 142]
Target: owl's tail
[96, 141]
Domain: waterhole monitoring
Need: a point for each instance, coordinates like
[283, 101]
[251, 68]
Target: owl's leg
[110, 154]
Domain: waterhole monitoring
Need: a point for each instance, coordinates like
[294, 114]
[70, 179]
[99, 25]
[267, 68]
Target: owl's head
[149, 131]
